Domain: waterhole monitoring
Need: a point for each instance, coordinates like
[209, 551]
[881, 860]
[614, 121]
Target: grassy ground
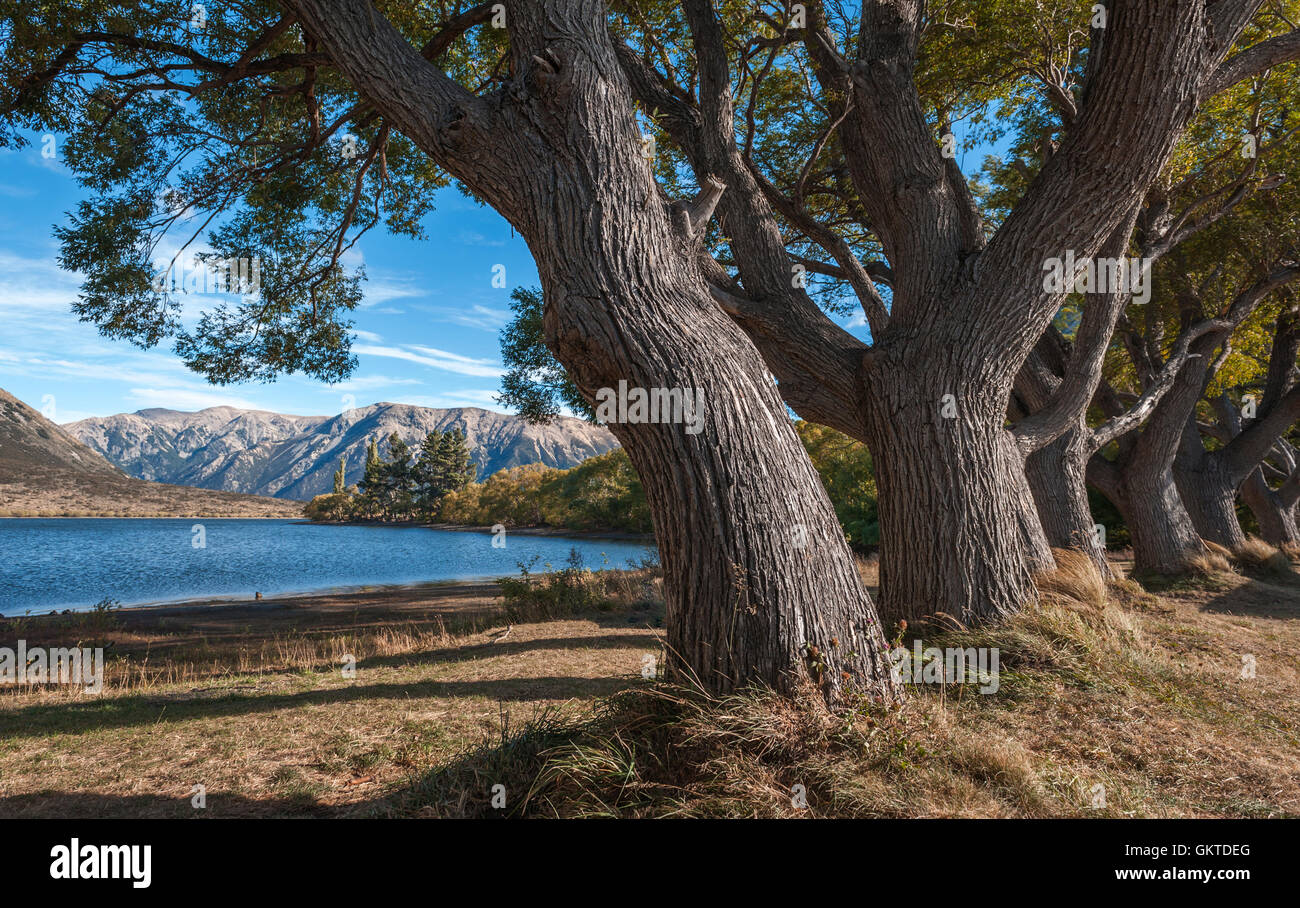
[1141, 694]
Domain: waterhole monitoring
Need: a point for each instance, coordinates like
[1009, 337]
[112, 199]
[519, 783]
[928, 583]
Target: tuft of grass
[1075, 581]
[1216, 560]
[575, 589]
[1256, 555]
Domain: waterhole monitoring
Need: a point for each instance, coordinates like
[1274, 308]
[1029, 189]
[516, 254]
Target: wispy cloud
[434, 359]
[187, 399]
[474, 238]
[369, 383]
[468, 397]
[483, 317]
[384, 291]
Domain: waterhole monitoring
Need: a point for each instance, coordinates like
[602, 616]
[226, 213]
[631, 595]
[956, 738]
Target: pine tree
[340, 476]
[398, 478]
[457, 469]
[428, 474]
[340, 501]
[371, 484]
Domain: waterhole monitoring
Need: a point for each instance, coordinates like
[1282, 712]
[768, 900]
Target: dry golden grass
[1256, 554]
[1101, 685]
[1216, 560]
[1105, 685]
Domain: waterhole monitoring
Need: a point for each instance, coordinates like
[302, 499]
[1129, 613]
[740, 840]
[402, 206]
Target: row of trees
[604, 493]
[601, 493]
[679, 168]
[403, 486]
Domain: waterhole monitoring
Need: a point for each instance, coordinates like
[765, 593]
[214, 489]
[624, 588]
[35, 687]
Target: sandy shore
[321, 611]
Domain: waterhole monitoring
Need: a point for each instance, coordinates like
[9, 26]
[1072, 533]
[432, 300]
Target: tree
[340, 476]
[444, 467]
[429, 471]
[457, 470]
[1217, 193]
[372, 481]
[397, 478]
[555, 147]
[966, 305]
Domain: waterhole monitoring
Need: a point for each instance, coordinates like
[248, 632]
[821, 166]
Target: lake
[48, 563]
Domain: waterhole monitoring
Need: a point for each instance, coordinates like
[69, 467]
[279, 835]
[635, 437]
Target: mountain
[45, 472]
[295, 457]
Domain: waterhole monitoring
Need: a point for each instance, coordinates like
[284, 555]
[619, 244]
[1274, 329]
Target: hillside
[45, 472]
[263, 453]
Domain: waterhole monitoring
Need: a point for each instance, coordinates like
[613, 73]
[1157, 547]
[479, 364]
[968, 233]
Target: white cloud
[469, 397]
[482, 317]
[435, 359]
[383, 291]
[187, 399]
[368, 383]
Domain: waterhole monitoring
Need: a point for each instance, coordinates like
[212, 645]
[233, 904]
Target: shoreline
[414, 525]
[621, 535]
[430, 589]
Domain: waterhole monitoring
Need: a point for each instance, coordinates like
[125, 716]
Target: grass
[1100, 684]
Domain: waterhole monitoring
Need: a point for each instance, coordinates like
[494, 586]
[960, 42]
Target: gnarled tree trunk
[760, 585]
[962, 535]
[1210, 496]
[1277, 521]
[1057, 477]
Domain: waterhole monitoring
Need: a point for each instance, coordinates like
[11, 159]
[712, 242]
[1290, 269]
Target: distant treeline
[601, 493]
[404, 486]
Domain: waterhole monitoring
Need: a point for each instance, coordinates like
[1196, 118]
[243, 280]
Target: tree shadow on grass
[454, 654]
[132, 711]
[1275, 597]
[91, 805]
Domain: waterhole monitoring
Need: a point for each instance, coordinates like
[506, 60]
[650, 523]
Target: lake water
[74, 563]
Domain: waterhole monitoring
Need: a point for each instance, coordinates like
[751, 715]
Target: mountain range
[45, 472]
[294, 457]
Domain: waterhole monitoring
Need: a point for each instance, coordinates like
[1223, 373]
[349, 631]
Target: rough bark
[964, 538]
[760, 585]
[1057, 475]
[1210, 480]
[1277, 521]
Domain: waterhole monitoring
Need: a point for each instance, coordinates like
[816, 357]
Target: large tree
[966, 302]
[293, 127]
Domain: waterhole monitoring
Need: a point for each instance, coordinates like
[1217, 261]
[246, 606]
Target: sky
[426, 332]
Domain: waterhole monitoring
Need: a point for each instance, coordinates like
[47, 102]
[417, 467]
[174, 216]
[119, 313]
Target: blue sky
[426, 332]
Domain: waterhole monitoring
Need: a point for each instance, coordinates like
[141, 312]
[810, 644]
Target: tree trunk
[1057, 478]
[1164, 539]
[760, 585]
[1210, 499]
[1277, 523]
[959, 528]
[759, 581]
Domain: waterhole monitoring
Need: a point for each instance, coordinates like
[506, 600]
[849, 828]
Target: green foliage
[400, 487]
[575, 588]
[604, 493]
[535, 384]
[846, 471]
[601, 493]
